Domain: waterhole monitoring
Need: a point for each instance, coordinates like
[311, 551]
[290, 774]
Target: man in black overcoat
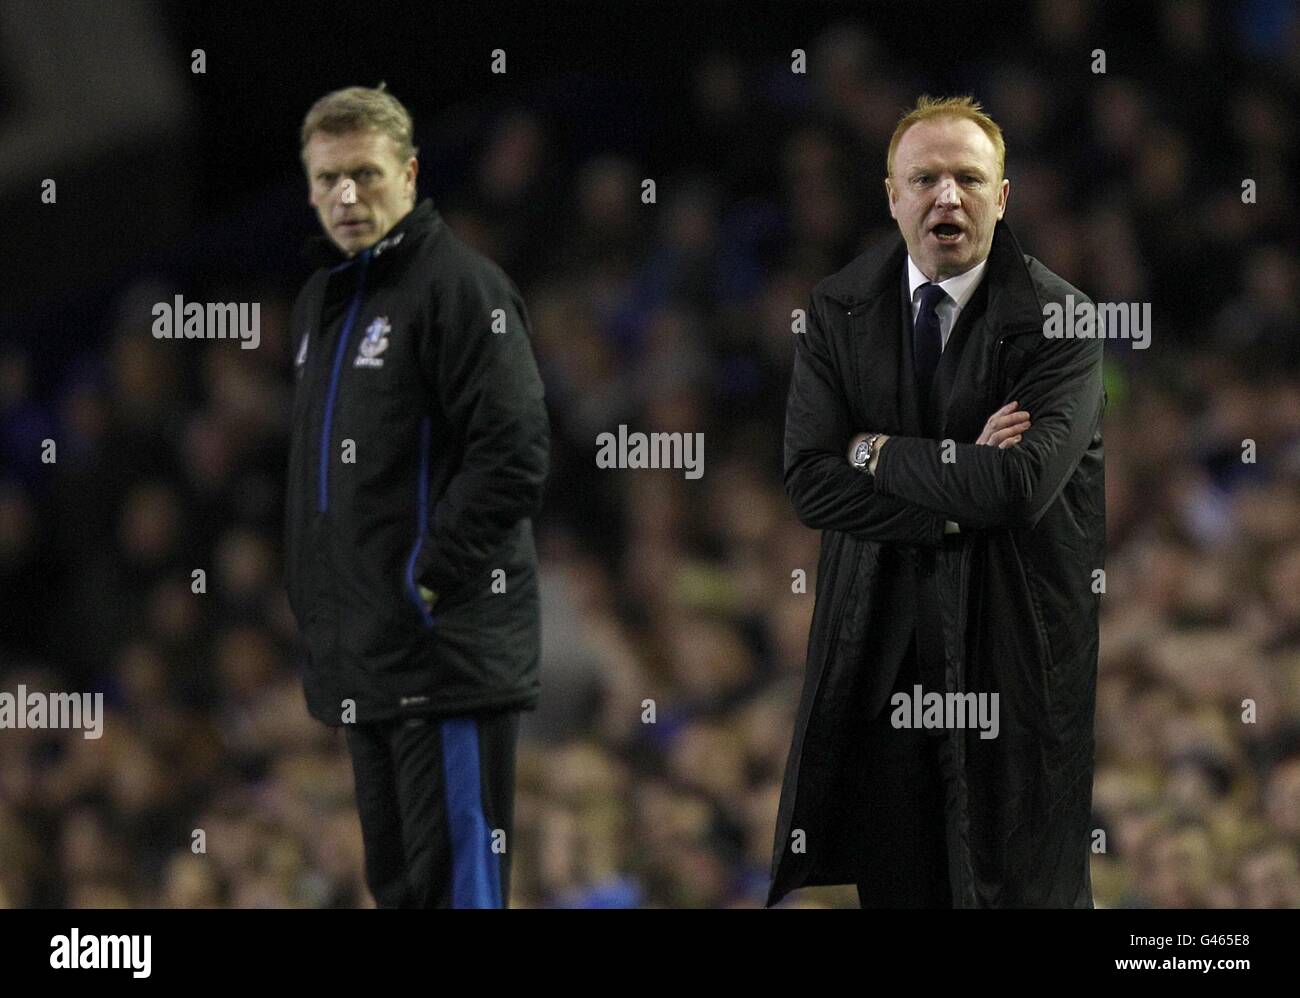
[946, 440]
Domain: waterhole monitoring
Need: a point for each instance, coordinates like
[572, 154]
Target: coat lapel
[872, 290]
[869, 289]
[913, 422]
[1004, 304]
[881, 344]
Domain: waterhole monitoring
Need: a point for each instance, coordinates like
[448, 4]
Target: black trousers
[907, 852]
[436, 802]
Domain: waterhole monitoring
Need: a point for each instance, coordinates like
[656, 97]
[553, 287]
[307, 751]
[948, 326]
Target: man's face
[384, 186]
[946, 195]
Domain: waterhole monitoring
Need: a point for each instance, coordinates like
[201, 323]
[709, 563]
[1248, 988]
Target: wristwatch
[862, 452]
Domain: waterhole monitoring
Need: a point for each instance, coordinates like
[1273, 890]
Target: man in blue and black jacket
[419, 452]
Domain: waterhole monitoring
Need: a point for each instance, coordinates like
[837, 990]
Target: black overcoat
[1018, 588]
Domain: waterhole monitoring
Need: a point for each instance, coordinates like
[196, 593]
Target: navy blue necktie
[927, 340]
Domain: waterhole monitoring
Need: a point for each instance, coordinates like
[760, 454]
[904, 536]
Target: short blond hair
[928, 108]
[354, 109]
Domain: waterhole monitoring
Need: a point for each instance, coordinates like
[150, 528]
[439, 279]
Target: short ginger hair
[928, 108]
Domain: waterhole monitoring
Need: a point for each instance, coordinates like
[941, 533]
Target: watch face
[860, 454]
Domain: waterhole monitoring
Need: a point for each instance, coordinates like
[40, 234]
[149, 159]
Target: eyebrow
[964, 168]
[368, 165]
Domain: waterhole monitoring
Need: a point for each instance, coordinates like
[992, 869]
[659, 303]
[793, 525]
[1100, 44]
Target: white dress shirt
[958, 291]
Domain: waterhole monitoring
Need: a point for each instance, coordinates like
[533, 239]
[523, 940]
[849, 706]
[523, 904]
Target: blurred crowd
[212, 787]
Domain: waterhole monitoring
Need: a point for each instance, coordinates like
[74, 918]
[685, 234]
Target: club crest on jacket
[374, 343]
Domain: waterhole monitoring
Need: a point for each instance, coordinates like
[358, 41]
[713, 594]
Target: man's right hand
[1005, 427]
[428, 596]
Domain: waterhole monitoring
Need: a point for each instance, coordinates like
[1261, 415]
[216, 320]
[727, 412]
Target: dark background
[673, 316]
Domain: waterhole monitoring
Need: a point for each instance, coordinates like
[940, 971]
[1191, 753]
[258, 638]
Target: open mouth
[946, 232]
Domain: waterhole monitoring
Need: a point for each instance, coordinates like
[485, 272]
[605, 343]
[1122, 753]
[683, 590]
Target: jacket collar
[1013, 302]
[413, 226]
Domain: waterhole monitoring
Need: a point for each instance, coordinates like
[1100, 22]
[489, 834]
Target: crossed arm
[1007, 478]
[1005, 428]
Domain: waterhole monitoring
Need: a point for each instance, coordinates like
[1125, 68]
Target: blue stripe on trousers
[476, 875]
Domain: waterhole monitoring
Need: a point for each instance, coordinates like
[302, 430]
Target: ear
[412, 171]
[1002, 197]
[889, 196]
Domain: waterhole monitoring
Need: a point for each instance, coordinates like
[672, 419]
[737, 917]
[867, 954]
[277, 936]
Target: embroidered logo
[374, 343]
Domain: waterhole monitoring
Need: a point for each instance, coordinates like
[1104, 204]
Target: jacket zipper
[331, 397]
[422, 519]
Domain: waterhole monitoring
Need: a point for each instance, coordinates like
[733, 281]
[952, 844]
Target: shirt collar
[959, 288]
